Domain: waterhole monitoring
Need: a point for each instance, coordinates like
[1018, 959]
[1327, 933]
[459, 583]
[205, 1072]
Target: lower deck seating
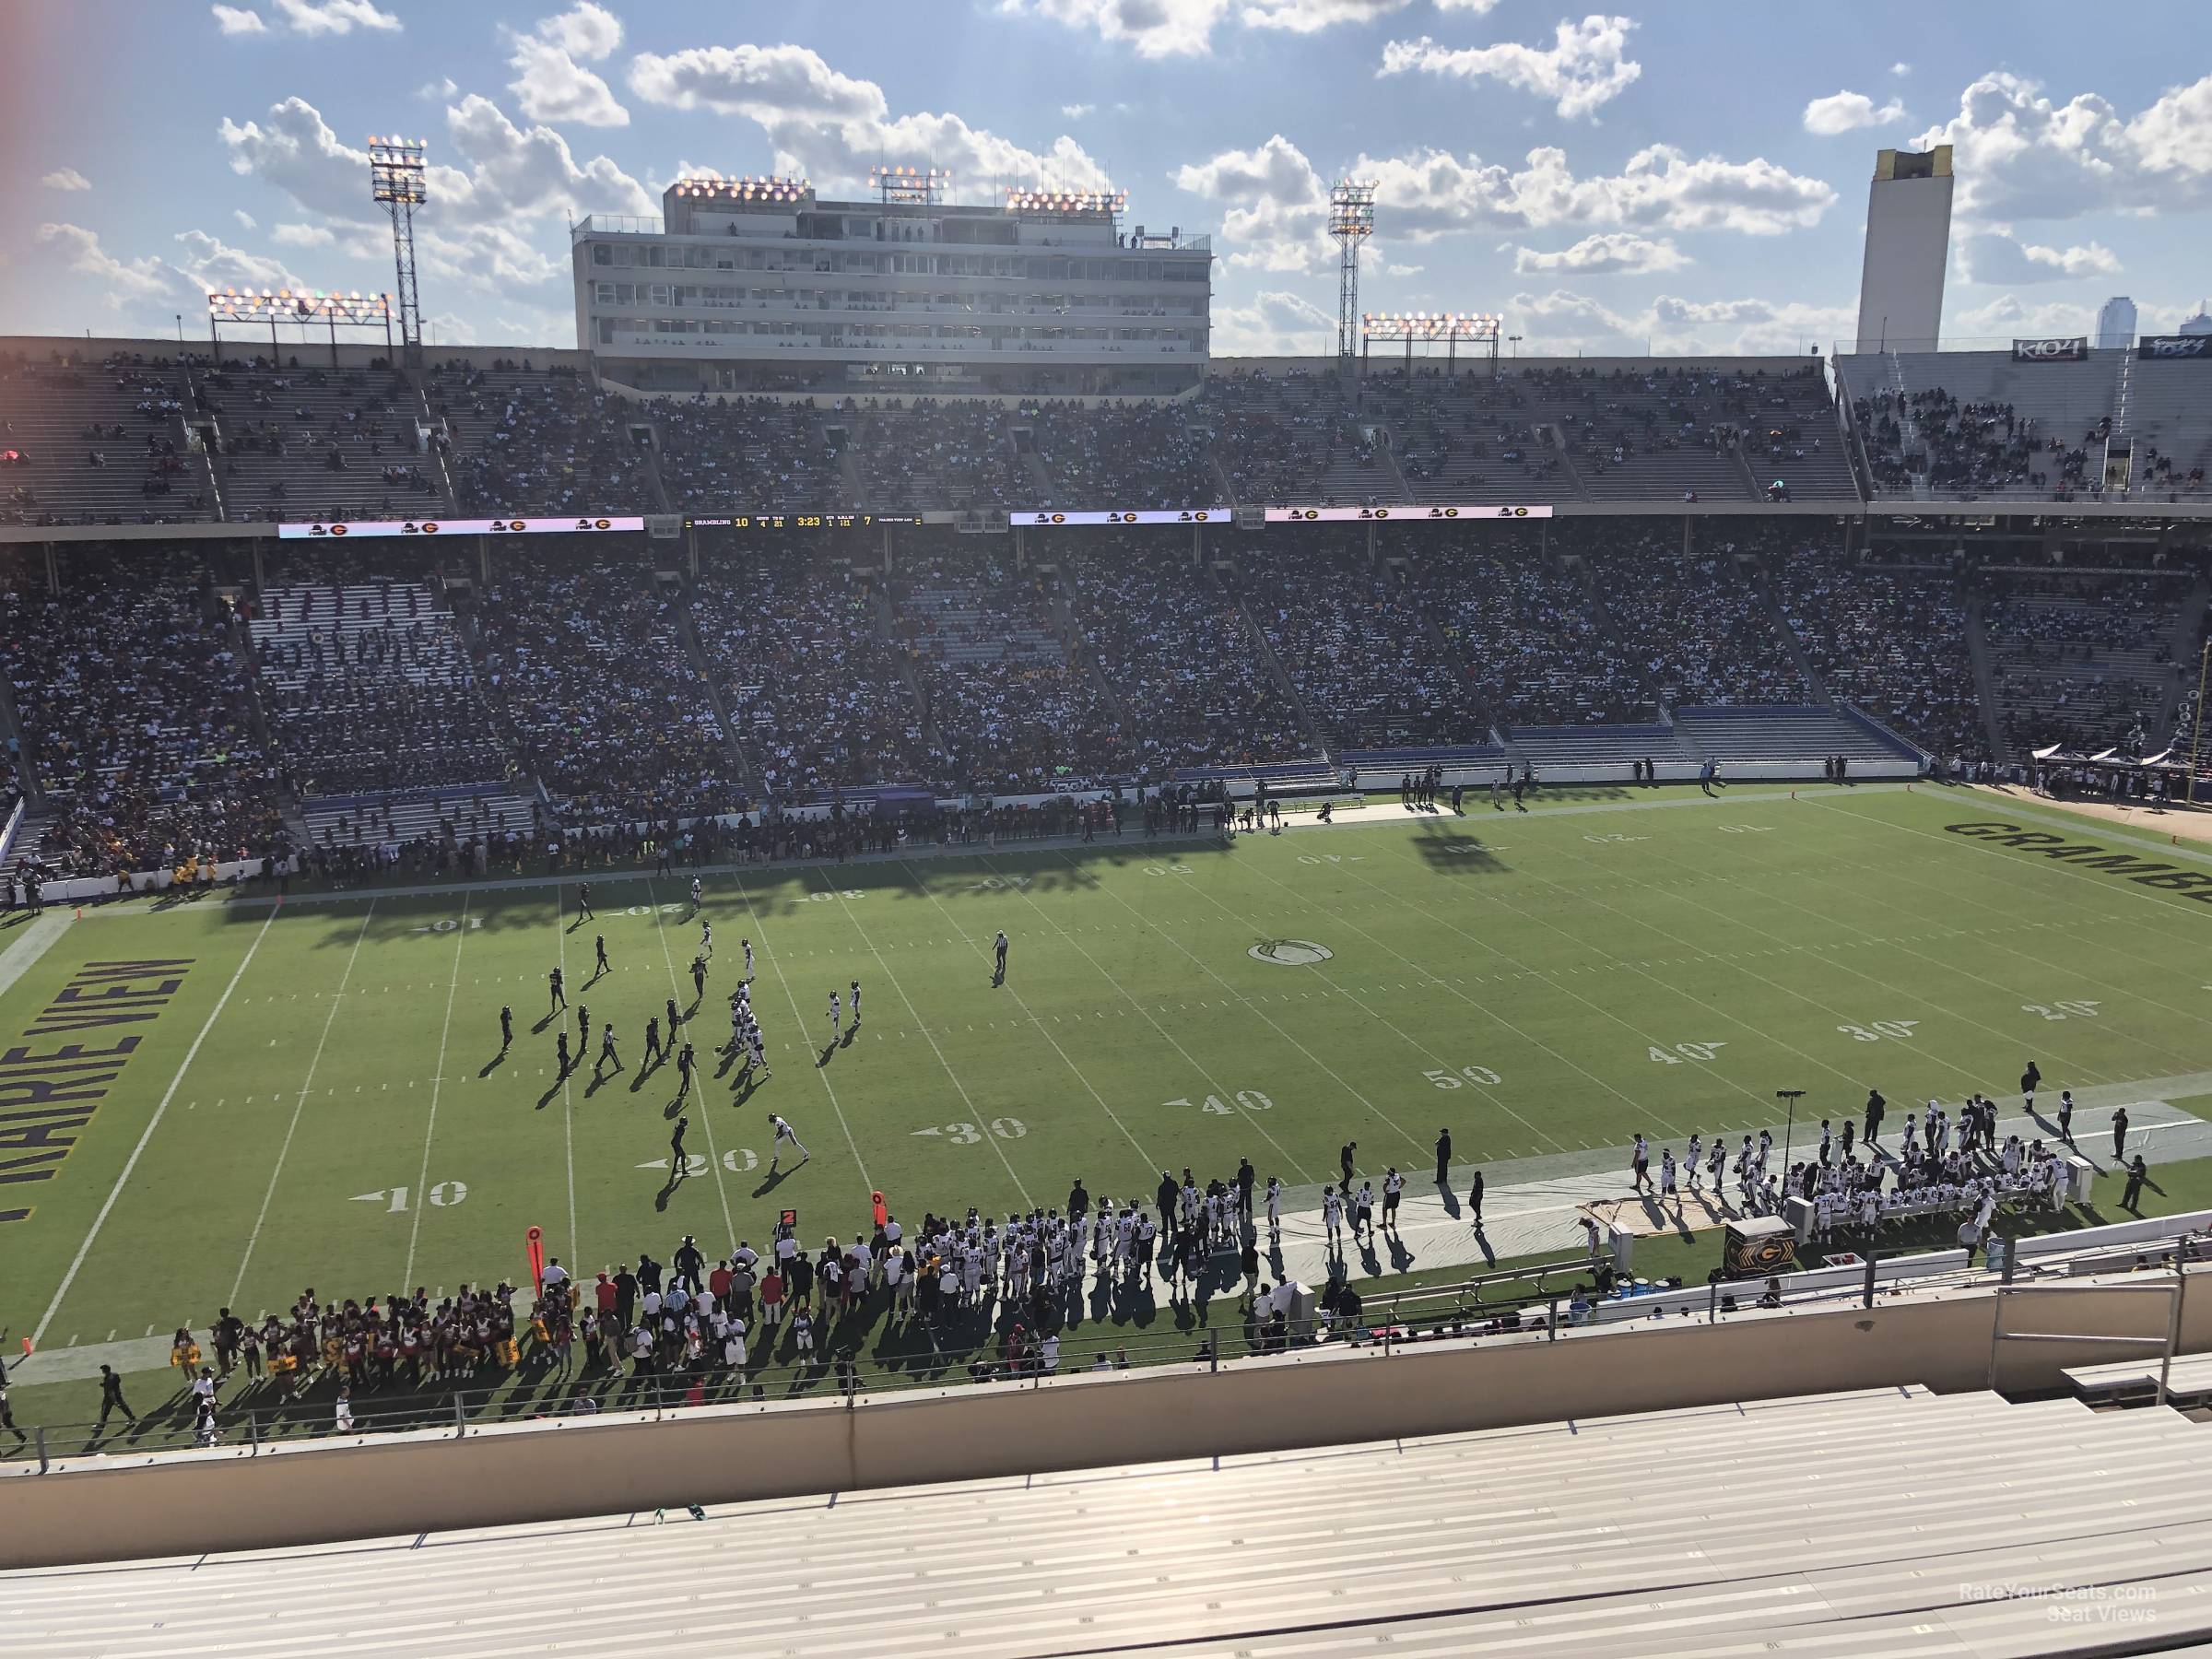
[1754, 734]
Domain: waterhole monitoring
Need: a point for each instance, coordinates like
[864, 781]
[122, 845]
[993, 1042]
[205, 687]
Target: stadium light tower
[1425, 328]
[1351, 222]
[398, 178]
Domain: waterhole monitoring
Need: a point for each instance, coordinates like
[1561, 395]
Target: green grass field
[318, 1096]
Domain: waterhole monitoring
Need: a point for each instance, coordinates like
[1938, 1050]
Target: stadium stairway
[1985, 685]
[1787, 635]
[1077, 645]
[732, 746]
[2188, 628]
[1315, 738]
[1880, 1524]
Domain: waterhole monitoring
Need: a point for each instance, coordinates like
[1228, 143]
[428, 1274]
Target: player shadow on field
[678, 1174]
[747, 1082]
[494, 1063]
[822, 1059]
[553, 1014]
[599, 1079]
[646, 1071]
[673, 1109]
[771, 1181]
[846, 1040]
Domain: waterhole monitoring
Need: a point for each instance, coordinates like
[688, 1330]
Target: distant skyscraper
[2198, 324]
[2116, 323]
[1908, 244]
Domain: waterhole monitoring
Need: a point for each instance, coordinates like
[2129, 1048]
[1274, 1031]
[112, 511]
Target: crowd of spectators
[310, 442]
[95, 442]
[369, 687]
[735, 455]
[1970, 447]
[2081, 660]
[521, 440]
[1009, 710]
[1142, 455]
[1274, 434]
[1892, 641]
[1173, 643]
[587, 663]
[1523, 628]
[1692, 627]
[134, 701]
[933, 453]
[1356, 643]
[817, 694]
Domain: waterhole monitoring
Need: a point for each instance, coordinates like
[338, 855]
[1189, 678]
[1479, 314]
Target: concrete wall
[113, 1509]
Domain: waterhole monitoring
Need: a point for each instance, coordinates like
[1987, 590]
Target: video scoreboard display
[801, 520]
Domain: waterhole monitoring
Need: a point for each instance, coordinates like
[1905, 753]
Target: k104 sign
[2054, 348]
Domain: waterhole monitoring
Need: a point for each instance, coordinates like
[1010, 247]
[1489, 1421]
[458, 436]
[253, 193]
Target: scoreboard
[801, 520]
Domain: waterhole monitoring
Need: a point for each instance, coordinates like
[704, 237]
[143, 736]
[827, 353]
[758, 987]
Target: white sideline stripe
[21, 954]
[338, 1001]
[152, 1123]
[422, 1180]
[568, 1114]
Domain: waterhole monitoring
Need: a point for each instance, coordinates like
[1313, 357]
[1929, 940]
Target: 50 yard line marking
[338, 1001]
[422, 1180]
[152, 1123]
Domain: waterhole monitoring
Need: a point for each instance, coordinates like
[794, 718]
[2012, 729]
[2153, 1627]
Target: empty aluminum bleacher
[1738, 737]
[1862, 1523]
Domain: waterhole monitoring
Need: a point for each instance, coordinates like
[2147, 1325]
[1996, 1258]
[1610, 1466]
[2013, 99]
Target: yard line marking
[915, 876]
[1212, 1084]
[916, 1014]
[422, 1180]
[706, 1114]
[336, 1002]
[146, 1135]
[568, 1112]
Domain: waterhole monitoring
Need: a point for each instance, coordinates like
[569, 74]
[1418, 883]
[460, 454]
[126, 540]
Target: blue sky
[1688, 175]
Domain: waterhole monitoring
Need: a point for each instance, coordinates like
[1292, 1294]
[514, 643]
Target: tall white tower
[2116, 323]
[1908, 245]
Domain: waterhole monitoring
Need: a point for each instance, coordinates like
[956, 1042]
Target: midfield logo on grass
[1290, 953]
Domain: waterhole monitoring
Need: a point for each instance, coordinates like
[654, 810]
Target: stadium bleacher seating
[2085, 662]
[817, 696]
[1765, 735]
[1011, 708]
[1176, 647]
[369, 688]
[735, 455]
[1917, 1523]
[98, 443]
[1976, 423]
[546, 442]
[318, 443]
[1891, 641]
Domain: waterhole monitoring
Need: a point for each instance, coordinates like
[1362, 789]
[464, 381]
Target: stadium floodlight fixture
[346, 310]
[1052, 199]
[1480, 329]
[899, 182]
[767, 189]
[1352, 208]
[398, 171]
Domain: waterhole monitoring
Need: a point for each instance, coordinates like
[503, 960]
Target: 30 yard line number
[1875, 1030]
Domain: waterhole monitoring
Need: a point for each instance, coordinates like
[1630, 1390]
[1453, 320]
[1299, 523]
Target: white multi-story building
[756, 285]
[1908, 244]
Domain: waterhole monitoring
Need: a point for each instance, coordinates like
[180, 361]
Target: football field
[221, 1103]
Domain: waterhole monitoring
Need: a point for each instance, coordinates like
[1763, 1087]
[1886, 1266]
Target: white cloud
[304, 236]
[2020, 156]
[1582, 70]
[1076, 112]
[438, 90]
[828, 125]
[1308, 16]
[1900, 67]
[334, 16]
[550, 85]
[237, 20]
[1276, 204]
[1156, 27]
[141, 279]
[2008, 314]
[1995, 255]
[246, 221]
[1610, 253]
[513, 174]
[450, 328]
[1481, 8]
[1562, 322]
[1275, 324]
[1844, 112]
[585, 31]
[211, 262]
[65, 178]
